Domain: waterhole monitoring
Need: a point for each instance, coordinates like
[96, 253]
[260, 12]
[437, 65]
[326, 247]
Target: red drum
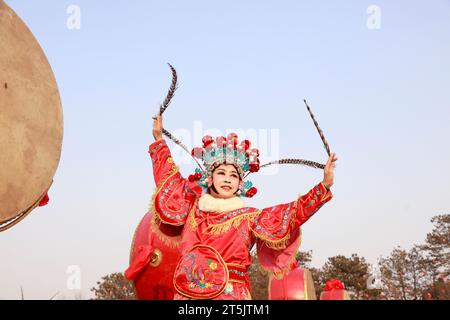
[335, 295]
[334, 290]
[31, 121]
[296, 285]
[153, 257]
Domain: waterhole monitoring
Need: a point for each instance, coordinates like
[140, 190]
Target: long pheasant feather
[163, 107]
[303, 162]
[307, 163]
[322, 136]
[178, 142]
[171, 92]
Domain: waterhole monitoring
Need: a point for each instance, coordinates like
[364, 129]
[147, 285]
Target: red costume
[215, 245]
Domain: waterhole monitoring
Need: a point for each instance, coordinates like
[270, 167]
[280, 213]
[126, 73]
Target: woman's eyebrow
[223, 170]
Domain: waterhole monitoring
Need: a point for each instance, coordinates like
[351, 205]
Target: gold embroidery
[235, 280]
[171, 172]
[325, 195]
[273, 244]
[191, 216]
[295, 210]
[235, 222]
[236, 265]
[171, 242]
[158, 219]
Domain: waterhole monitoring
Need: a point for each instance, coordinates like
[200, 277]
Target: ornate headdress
[228, 150]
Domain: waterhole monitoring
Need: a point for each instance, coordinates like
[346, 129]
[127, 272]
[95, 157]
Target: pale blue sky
[381, 96]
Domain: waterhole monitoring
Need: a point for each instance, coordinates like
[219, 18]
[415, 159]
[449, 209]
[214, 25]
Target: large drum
[154, 256]
[298, 284]
[31, 120]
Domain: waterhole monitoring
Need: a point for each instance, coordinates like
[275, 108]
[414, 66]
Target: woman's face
[226, 181]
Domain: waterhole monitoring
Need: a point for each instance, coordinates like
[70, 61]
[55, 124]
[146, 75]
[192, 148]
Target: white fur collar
[208, 203]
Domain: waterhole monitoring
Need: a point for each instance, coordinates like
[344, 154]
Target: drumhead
[31, 120]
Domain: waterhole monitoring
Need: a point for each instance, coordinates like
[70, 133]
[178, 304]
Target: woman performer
[218, 230]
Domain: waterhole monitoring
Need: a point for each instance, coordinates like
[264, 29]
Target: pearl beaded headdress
[221, 150]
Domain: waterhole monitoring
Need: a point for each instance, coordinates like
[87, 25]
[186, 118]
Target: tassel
[191, 216]
[216, 229]
[281, 272]
[171, 242]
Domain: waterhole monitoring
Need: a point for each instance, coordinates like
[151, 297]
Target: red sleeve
[308, 204]
[275, 224]
[277, 230]
[173, 199]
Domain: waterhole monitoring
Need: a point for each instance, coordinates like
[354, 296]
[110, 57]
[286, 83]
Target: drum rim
[9, 223]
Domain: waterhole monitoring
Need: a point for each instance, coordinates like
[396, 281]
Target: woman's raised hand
[328, 171]
[157, 127]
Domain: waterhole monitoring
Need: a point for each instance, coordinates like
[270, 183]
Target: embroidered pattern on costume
[286, 215]
[229, 290]
[234, 213]
[197, 276]
[313, 201]
[246, 238]
[164, 192]
[239, 273]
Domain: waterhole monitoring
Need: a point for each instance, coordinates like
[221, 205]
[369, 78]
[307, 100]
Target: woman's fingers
[331, 161]
[332, 157]
[157, 121]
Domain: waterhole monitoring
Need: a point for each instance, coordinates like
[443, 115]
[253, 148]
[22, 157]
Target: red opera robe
[215, 246]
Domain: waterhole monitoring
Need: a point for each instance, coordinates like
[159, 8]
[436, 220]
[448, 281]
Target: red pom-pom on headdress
[232, 140]
[221, 141]
[227, 150]
[197, 152]
[251, 192]
[207, 142]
